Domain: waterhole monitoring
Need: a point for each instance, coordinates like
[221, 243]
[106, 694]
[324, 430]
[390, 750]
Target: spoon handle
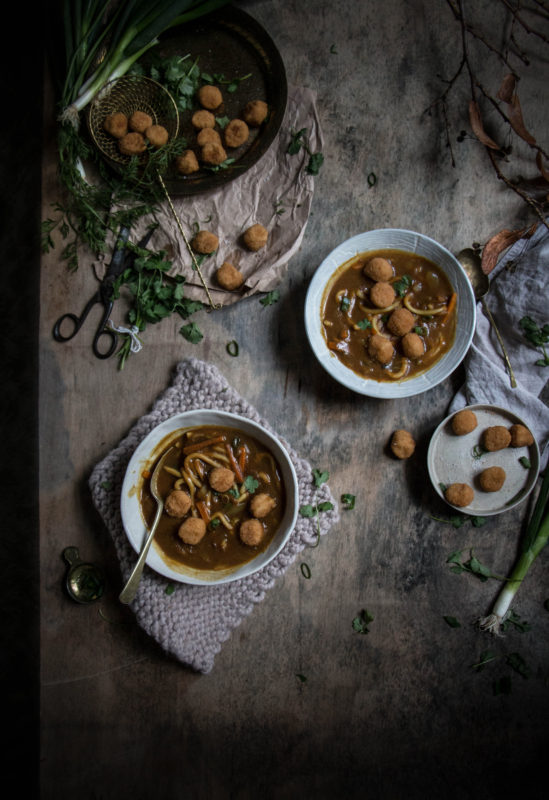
[132, 584]
[500, 340]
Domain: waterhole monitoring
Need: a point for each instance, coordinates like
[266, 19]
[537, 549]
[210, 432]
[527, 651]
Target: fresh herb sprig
[298, 141]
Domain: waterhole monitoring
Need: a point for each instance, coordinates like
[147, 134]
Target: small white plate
[453, 459]
[410, 242]
[144, 457]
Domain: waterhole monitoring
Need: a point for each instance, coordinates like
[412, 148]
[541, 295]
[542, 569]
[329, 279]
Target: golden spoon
[130, 589]
[471, 263]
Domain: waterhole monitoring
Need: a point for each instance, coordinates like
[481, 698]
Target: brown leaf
[507, 88]
[514, 112]
[539, 161]
[495, 246]
[478, 128]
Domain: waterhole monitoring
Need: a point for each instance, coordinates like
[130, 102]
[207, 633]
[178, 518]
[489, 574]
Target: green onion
[125, 32]
[535, 539]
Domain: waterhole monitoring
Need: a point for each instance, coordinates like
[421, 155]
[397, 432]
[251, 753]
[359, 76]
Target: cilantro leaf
[361, 621]
[320, 477]
[191, 332]
[270, 298]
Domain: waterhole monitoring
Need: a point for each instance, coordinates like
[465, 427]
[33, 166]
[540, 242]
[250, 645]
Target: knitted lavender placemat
[193, 622]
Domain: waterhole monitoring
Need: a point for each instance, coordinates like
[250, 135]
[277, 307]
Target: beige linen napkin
[193, 622]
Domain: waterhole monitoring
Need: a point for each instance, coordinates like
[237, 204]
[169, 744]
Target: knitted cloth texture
[192, 623]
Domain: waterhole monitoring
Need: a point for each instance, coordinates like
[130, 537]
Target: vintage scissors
[121, 259]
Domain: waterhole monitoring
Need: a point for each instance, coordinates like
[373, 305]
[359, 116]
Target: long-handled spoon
[130, 589]
[480, 282]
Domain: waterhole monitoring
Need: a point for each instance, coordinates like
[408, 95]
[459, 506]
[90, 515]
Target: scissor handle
[102, 332]
[76, 325]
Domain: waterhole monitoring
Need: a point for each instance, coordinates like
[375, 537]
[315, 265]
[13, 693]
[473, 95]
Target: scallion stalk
[536, 537]
[102, 42]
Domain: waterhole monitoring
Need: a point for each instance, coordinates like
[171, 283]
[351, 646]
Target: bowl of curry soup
[390, 313]
[230, 497]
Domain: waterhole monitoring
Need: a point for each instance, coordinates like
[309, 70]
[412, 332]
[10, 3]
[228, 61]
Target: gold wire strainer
[138, 93]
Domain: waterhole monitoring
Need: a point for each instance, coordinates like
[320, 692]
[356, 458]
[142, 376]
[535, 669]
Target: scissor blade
[119, 254]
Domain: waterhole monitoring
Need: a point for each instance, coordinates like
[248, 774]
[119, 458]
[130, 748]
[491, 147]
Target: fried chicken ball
[177, 503]
[213, 153]
[520, 436]
[413, 345]
[132, 144]
[380, 348]
[187, 163]
[256, 237]
[205, 242]
[139, 121]
[221, 479]
[236, 133]
[261, 504]
[228, 277]
[192, 531]
[157, 135]
[203, 119]
[402, 444]
[496, 438]
[382, 294]
[116, 124]
[401, 321]
[210, 97]
[255, 113]
[378, 269]
[251, 532]
[459, 494]
[492, 479]
[206, 135]
[464, 422]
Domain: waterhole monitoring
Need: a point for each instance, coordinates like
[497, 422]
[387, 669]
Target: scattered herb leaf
[106, 485]
[525, 462]
[344, 304]
[170, 588]
[316, 160]
[402, 285]
[361, 621]
[301, 678]
[250, 484]
[191, 332]
[513, 620]
[270, 298]
[485, 658]
[452, 622]
[320, 477]
[536, 336]
[333, 50]
[348, 501]
[364, 324]
[516, 662]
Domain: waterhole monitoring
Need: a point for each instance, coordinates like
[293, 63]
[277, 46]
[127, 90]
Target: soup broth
[421, 294]
[198, 452]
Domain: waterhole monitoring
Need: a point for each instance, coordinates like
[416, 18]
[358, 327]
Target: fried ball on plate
[192, 531]
[206, 135]
[210, 97]
[139, 121]
[492, 479]
[177, 503]
[464, 422]
[496, 437]
[380, 348]
[205, 243]
[378, 269]
[459, 494]
[255, 237]
[213, 153]
[401, 321]
[520, 436]
[261, 504]
[229, 277]
[413, 345]
[157, 135]
[221, 479]
[236, 133]
[251, 532]
[116, 124]
[402, 444]
[382, 294]
[187, 163]
[132, 144]
[255, 113]
[203, 119]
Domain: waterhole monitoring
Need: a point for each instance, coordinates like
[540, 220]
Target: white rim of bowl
[141, 457]
[400, 239]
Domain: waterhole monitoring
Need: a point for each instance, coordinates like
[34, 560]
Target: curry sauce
[365, 335]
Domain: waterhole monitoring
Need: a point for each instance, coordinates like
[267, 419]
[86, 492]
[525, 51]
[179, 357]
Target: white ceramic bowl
[145, 455]
[457, 459]
[392, 239]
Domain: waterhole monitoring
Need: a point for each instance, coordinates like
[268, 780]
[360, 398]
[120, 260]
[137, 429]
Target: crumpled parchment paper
[276, 192]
